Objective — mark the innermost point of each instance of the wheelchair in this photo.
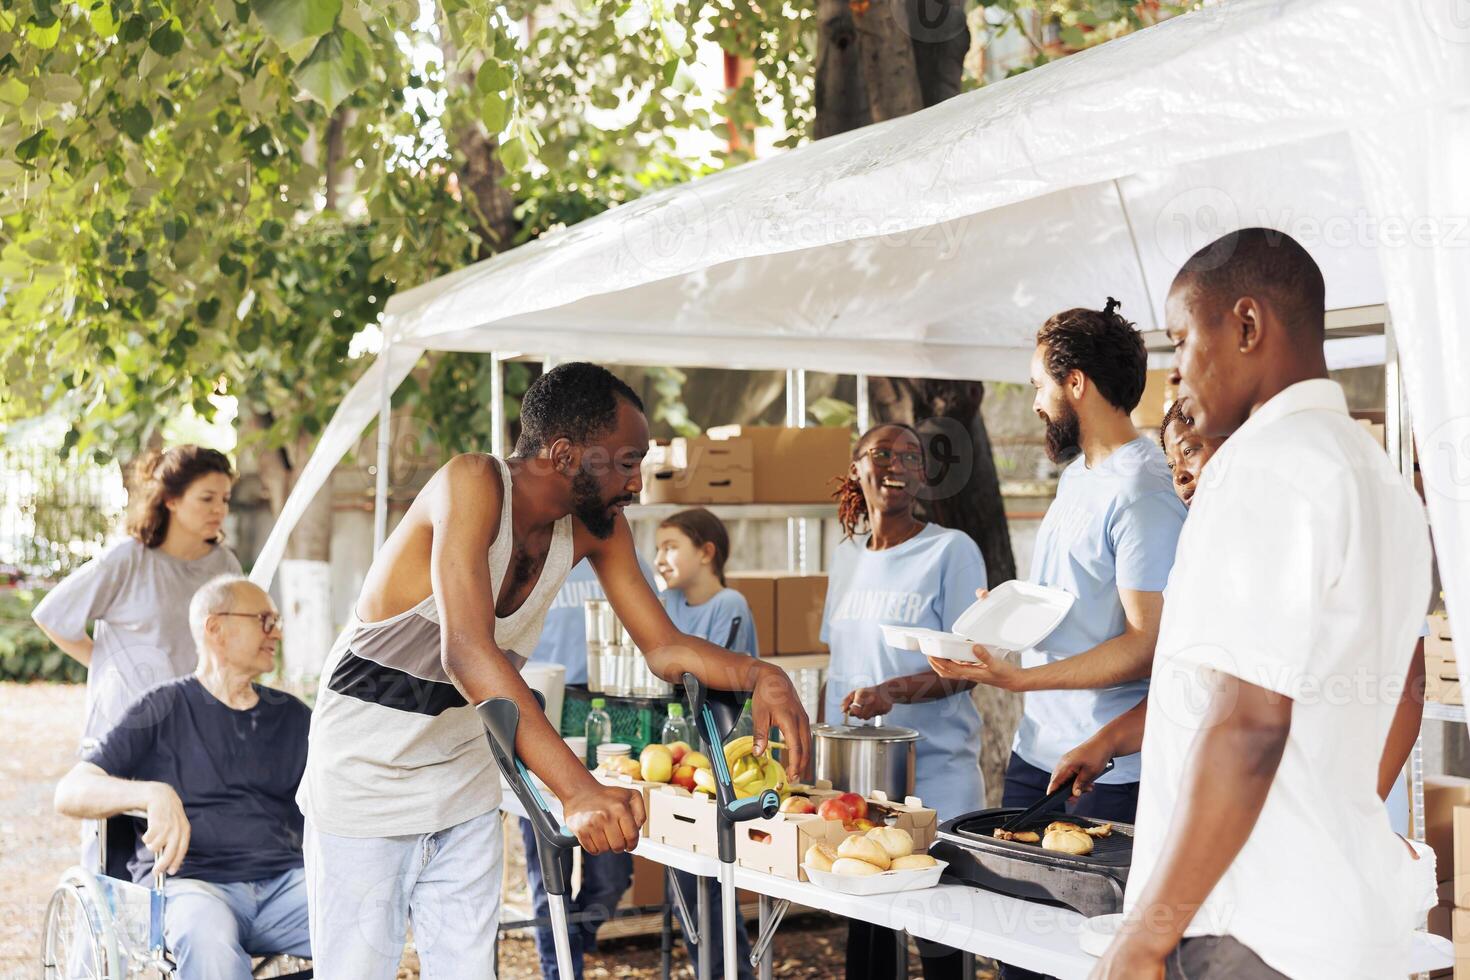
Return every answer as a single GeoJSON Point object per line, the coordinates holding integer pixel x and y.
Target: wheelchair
{"type": "Point", "coordinates": [100, 925]}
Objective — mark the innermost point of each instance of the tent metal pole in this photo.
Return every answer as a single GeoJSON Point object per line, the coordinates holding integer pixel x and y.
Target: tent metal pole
{"type": "Point", "coordinates": [497, 406]}
{"type": "Point", "coordinates": [862, 404]}
{"type": "Point", "coordinates": [385, 446]}
{"type": "Point", "coordinates": [796, 535]}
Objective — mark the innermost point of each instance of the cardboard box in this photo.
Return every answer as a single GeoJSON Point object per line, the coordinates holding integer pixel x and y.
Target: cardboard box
{"type": "Point", "coordinates": [777, 846]}
{"type": "Point", "coordinates": [1442, 794]}
{"type": "Point", "coordinates": [682, 819]}
{"type": "Point", "coordinates": [1442, 690]}
{"type": "Point", "coordinates": [699, 471]}
{"type": "Point", "coordinates": [1461, 930]}
{"type": "Point", "coordinates": [759, 590]}
{"type": "Point", "coordinates": [794, 466]}
{"type": "Point", "coordinates": [787, 607]}
{"type": "Point", "coordinates": [1459, 871]}
{"type": "Point", "coordinates": [912, 815]}
{"type": "Point", "coordinates": [648, 882]}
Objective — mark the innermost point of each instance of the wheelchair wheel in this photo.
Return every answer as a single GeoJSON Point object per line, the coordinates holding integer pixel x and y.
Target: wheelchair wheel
{"type": "Point", "coordinates": [76, 941]}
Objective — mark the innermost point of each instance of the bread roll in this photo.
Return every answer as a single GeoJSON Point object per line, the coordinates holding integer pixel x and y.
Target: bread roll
{"type": "Point", "coordinates": [911, 862]}
{"type": "Point", "coordinates": [1068, 842]}
{"type": "Point", "coordinates": [1062, 825]}
{"type": "Point", "coordinates": [859, 847]}
{"type": "Point", "coordinates": [854, 867]}
{"type": "Point", "coordinates": [894, 841]}
{"type": "Point", "coordinates": [821, 856]}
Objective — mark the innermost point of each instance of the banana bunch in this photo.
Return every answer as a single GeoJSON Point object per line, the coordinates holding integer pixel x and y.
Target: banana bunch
{"type": "Point", "coordinates": [752, 774]}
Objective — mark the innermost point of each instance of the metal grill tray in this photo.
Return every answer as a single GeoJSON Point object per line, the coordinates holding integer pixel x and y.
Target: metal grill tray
{"type": "Point", "coordinates": [1091, 884]}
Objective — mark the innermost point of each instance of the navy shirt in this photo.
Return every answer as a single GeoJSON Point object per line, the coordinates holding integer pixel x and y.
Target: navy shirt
{"type": "Point", "coordinates": [235, 771]}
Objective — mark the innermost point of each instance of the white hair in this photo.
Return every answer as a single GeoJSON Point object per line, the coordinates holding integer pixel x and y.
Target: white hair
{"type": "Point", "coordinates": [215, 596]}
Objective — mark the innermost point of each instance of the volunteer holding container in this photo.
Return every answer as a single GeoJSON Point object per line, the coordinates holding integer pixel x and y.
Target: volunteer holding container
{"type": "Point", "coordinates": [693, 547]}
{"type": "Point", "coordinates": [897, 570]}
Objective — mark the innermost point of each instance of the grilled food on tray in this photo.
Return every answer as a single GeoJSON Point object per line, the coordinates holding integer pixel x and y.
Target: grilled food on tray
{"type": "Point", "coordinates": [1072, 840]}
{"type": "Point", "coordinates": [1021, 836]}
{"type": "Point", "coordinates": [1057, 836]}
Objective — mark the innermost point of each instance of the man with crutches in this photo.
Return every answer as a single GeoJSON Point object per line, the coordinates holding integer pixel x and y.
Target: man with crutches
{"type": "Point", "coordinates": [401, 793]}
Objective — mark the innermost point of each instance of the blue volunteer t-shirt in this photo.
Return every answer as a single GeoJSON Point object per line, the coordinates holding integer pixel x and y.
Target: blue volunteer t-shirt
{"type": "Point", "coordinates": [1111, 527]}
{"type": "Point", "coordinates": [927, 581]}
{"type": "Point", "coordinates": [725, 619]}
{"type": "Point", "coordinates": [564, 633]}
{"type": "Point", "coordinates": [235, 771]}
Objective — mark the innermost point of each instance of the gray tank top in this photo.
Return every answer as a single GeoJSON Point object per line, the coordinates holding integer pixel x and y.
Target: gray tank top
{"type": "Point", "coordinates": [395, 749]}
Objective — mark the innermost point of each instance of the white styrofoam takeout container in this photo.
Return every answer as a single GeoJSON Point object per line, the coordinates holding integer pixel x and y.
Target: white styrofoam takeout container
{"type": "Point", "coordinates": [1014, 616]}
{"type": "Point", "coordinates": [879, 884]}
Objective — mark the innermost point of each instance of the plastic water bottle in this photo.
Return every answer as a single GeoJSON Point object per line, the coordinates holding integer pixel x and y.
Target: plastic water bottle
{"type": "Point", "coordinates": [598, 730]}
{"type": "Point", "coordinates": [745, 725]}
{"type": "Point", "coordinates": [676, 728]}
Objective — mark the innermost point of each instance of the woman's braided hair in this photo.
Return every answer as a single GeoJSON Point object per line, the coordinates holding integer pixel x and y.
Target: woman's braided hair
{"type": "Point", "coordinates": [852, 506]}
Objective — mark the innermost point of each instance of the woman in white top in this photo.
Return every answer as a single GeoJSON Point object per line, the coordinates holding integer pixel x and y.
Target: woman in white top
{"type": "Point", "coordinates": [137, 592]}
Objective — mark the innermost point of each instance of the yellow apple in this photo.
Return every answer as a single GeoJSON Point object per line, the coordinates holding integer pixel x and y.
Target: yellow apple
{"type": "Point", "coordinates": [657, 763]}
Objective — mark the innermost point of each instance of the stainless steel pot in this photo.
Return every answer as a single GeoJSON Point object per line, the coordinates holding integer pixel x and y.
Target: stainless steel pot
{"type": "Point", "coordinates": [863, 758]}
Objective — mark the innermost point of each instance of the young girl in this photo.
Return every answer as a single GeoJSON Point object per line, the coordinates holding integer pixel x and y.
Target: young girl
{"type": "Point", "coordinates": [1186, 451]}
{"type": "Point", "coordinates": [692, 549]}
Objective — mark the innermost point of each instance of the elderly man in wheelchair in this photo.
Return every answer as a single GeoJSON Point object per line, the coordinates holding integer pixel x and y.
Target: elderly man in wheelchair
{"type": "Point", "coordinates": [214, 866]}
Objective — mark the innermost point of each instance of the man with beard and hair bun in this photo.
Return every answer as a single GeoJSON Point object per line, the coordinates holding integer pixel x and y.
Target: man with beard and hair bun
{"type": "Point", "coordinates": [401, 792]}
{"type": "Point", "coordinates": [1108, 539]}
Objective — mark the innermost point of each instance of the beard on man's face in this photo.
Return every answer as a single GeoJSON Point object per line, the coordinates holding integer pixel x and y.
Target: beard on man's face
{"type": "Point", "coordinates": [597, 515]}
{"type": "Point", "coordinates": [1063, 435]}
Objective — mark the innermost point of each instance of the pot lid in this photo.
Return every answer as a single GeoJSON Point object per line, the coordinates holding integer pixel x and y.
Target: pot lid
{"type": "Point", "coordinates": [874, 733]}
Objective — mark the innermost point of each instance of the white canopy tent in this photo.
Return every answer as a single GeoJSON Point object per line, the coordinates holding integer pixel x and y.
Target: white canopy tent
{"type": "Point", "coordinates": [934, 245]}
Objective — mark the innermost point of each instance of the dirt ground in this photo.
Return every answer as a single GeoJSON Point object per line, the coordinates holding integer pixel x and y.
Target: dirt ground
{"type": "Point", "coordinates": [40, 725]}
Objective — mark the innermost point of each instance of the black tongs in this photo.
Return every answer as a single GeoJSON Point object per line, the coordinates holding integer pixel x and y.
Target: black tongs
{"type": "Point", "coordinates": [1044, 804]}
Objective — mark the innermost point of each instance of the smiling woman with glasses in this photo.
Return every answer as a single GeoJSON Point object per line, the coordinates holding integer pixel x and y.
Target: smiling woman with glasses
{"type": "Point", "coordinates": [895, 569]}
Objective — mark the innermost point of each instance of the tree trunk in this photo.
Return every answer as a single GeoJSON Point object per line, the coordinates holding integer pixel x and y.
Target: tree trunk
{"type": "Point", "coordinates": [905, 66]}
{"type": "Point", "coordinates": [841, 101]}
{"type": "Point", "coordinates": [886, 57]}
{"type": "Point", "coordinates": [481, 174]}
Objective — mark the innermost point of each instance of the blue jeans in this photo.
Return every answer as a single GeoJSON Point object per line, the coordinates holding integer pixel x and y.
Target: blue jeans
{"type": "Point", "coordinates": [212, 930]}
{"type": "Point", "coordinates": [688, 885]}
{"type": "Point", "coordinates": [365, 890]}
{"type": "Point", "coordinates": [605, 877]}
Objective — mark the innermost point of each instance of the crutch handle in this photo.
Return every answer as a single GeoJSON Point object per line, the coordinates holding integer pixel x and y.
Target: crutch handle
{"type": "Point", "coordinates": [554, 839]}
{"type": "Point", "coordinates": [730, 809]}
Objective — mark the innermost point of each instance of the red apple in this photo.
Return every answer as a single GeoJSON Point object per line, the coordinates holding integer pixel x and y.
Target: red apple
{"type": "Point", "coordinates": [797, 804]}
{"type": "Point", "coordinates": [677, 750]}
{"type": "Point", "coordinates": [856, 804]}
{"type": "Point", "coordinates": [683, 776]}
{"type": "Point", "coordinates": [834, 809]}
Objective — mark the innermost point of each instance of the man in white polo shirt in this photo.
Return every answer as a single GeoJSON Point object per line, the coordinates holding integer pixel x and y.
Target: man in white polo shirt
{"type": "Point", "coordinates": [1262, 848]}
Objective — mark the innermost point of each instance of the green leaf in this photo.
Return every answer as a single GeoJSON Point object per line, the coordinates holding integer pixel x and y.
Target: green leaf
{"type": "Point", "coordinates": [62, 88]}
{"type": "Point", "coordinates": [32, 146]}
{"type": "Point", "coordinates": [103, 21]}
{"type": "Point", "coordinates": [135, 278]}
{"type": "Point", "coordinates": [494, 112]}
{"type": "Point", "coordinates": [13, 91]}
{"type": "Point", "coordinates": [1074, 37]}
{"type": "Point", "coordinates": [166, 41]}
{"type": "Point", "coordinates": [44, 37]}
{"type": "Point", "coordinates": [135, 121]}
{"type": "Point", "coordinates": [337, 67]}
{"type": "Point", "coordinates": [492, 77]}
{"type": "Point", "coordinates": [513, 156]}
{"type": "Point", "coordinates": [290, 22]}
{"type": "Point", "coordinates": [135, 28]}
